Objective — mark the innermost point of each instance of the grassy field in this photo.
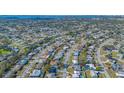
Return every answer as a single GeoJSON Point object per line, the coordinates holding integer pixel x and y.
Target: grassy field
{"type": "Point", "coordinates": [4, 52]}
{"type": "Point", "coordinates": [82, 57]}
{"type": "Point", "coordinates": [114, 54]}
{"type": "Point", "coordinates": [102, 76]}
{"type": "Point", "coordinates": [70, 59]}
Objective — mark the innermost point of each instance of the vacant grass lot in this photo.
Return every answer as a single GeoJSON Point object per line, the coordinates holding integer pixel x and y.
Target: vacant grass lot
{"type": "Point", "coordinates": [82, 57]}
{"type": "Point", "coordinates": [4, 52]}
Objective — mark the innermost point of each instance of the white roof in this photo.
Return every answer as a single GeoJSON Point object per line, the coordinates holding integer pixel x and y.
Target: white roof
{"type": "Point", "coordinates": [90, 65]}
{"type": "Point", "coordinates": [74, 61]}
{"type": "Point", "coordinates": [75, 75]}
{"type": "Point", "coordinates": [120, 74]}
{"type": "Point", "coordinates": [76, 72]}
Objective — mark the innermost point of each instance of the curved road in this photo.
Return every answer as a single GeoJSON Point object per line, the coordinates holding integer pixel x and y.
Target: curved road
{"type": "Point", "coordinates": [98, 55]}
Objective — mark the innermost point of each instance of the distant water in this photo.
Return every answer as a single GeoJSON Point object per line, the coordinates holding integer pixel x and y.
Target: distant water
{"type": "Point", "coordinates": [56, 16]}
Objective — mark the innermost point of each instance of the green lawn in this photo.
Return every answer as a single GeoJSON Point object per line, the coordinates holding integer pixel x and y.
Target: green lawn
{"type": "Point", "coordinates": [4, 52]}
{"type": "Point", "coordinates": [102, 76]}
{"type": "Point", "coordinates": [114, 54]}
{"type": "Point", "coordinates": [70, 59]}
{"type": "Point", "coordinates": [83, 55]}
